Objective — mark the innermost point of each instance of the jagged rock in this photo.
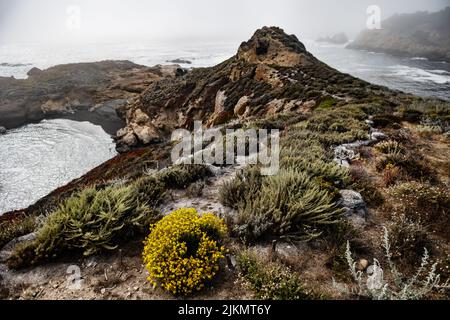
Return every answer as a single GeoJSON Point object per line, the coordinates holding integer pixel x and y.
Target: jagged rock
{"type": "Point", "coordinates": [274, 106]}
{"type": "Point", "coordinates": [220, 102]}
{"type": "Point", "coordinates": [140, 117]}
{"type": "Point", "coordinates": [247, 85]}
{"type": "Point", "coordinates": [34, 71]}
{"type": "Point", "coordinates": [344, 153]}
{"type": "Point", "coordinates": [8, 249]}
{"type": "Point", "coordinates": [74, 91]}
{"type": "Point", "coordinates": [269, 75]}
{"type": "Point", "coordinates": [271, 46]}
{"type": "Point", "coordinates": [354, 206]}
{"type": "Point", "coordinates": [2, 130]}
{"type": "Point", "coordinates": [342, 163]}
{"type": "Point", "coordinates": [220, 118]}
{"type": "Point", "coordinates": [146, 134]}
{"type": "Point", "coordinates": [241, 106]}
{"type": "Point", "coordinates": [128, 137]}
{"type": "Point", "coordinates": [378, 136]}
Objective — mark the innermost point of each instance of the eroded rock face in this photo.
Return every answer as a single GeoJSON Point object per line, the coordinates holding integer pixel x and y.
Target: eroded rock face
{"type": "Point", "coordinates": [81, 91]}
{"type": "Point", "coordinates": [271, 46]}
{"type": "Point", "coordinates": [271, 73]}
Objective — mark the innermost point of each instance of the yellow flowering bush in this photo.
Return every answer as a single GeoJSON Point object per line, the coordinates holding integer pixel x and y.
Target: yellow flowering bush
{"type": "Point", "coordinates": [183, 250]}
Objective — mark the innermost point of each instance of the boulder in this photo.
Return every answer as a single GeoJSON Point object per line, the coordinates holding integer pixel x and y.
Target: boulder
{"type": "Point", "coordinates": [8, 249]}
{"type": "Point", "coordinates": [146, 134]}
{"type": "Point", "coordinates": [241, 106]}
{"type": "Point", "coordinates": [219, 105]}
{"type": "Point", "coordinates": [378, 136]}
{"type": "Point", "coordinates": [34, 71]}
{"type": "Point", "coordinates": [344, 153]}
{"type": "Point", "coordinates": [140, 117]}
{"type": "Point", "coordinates": [355, 207]}
{"type": "Point", "coordinates": [2, 130]}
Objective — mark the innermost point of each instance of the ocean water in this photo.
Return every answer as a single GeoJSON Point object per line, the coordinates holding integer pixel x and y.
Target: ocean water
{"type": "Point", "coordinates": [38, 158]}
{"type": "Point", "coordinates": [417, 75]}
{"type": "Point", "coordinates": [413, 75]}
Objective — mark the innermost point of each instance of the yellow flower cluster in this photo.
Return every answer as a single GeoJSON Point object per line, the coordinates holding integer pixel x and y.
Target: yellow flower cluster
{"type": "Point", "coordinates": [183, 250]}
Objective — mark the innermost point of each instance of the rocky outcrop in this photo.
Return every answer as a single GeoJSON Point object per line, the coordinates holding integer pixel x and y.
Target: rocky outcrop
{"type": "Point", "coordinates": [420, 34]}
{"type": "Point", "coordinates": [271, 73]}
{"type": "Point", "coordinates": [83, 91]}
{"type": "Point", "coordinates": [355, 207]}
{"type": "Point", "coordinates": [179, 61]}
{"type": "Point", "coordinates": [271, 46]}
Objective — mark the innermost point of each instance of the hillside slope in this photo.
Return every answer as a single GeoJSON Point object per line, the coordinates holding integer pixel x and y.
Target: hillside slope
{"type": "Point", "coordinates": [360, 166]}
{"type": "Point", "coordinates": [271, 73]}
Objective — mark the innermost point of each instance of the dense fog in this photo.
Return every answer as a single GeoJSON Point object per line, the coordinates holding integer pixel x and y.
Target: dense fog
{"type": "Point", "coordinates": [101, 20]}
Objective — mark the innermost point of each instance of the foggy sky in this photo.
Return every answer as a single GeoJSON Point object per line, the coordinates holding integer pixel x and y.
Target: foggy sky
{"type": "Point", "coordinates": [45, 20]}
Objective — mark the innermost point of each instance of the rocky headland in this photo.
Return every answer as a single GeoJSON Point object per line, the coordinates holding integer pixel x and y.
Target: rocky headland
{"type": "Point", "coordinates": [92, 92]}
{"type": "Point", "coordinates": [271, 73]}
{"type": "Point", "coordinates": [354, 158]}
{"type": "Point", "coordinates": [421, 34]}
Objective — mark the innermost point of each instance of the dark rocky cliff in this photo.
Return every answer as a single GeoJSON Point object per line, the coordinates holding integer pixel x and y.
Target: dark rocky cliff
{"type": "Point", "coordinates": [421, 34]}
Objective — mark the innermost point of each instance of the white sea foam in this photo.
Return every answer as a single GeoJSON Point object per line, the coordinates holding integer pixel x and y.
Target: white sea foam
{"type": "Point", "coordinates": [421, 75]}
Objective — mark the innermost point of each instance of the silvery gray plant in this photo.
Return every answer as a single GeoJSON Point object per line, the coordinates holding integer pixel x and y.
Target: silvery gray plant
{"type": "Point", "coordinates": [374, 285]}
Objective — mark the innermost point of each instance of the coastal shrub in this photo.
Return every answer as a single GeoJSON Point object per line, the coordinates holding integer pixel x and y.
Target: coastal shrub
{"type": "Point", "coordinates": [333, 122]}
{"type": "Point", "coordinates": [89, 222]}
{"type": "Point", "coordinates": [288, 204]}
{"type": "Point", "coordinates": [183, 250]}
{"type": "Point", "coordinates": [436, 110]}
{"type": "Point", "coordinates": [390, 147]}
{"type": "Point", "coordinates": [327, 103]}
{"type": "Point", "coordinates": [408, 239]}
{"type": "Point", "coordinates": [149, 190]}
{"type": "Point", "coordinates": [180, 176]}
{"type": "Point", "coordinates": [386, 120]}
{"type": "Point", "coordinates": [423, 203]}
{"type": "Point", "coordinates": [411, 164]}
{"type": "Point", "coordinates": [15, 228]}
{"type": "Point", "coordinates": [278, 121]}
{"type": "Point", "coordinates": [379, 283]}
{"type": "Point", "coordinates": [364, 184]}
{"type": "Point", "coordinates": [391, 174]}
{"type": "Point", "coordinates": [429, 127]}
{"type": "Point", "coordinates": [269, 280]}
{"type": "Point", "coordinates": [244, 186]}
{"type": "Point", "coordinates": [195, 190]}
